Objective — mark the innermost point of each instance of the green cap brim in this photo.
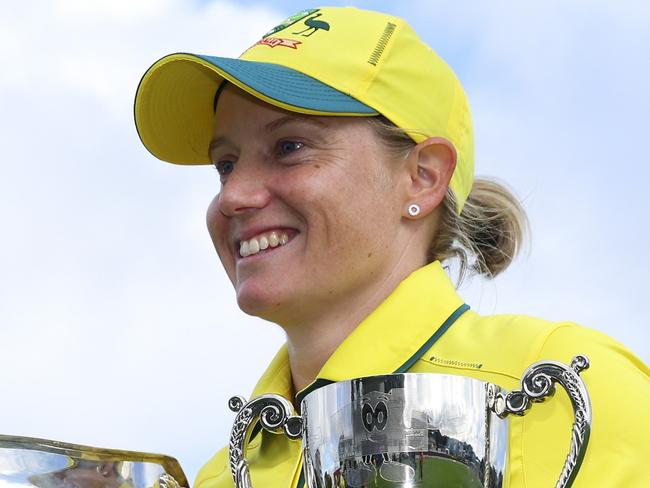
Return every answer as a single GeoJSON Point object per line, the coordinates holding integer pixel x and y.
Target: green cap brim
{"type": "Point", "coordinates": [174, 101]}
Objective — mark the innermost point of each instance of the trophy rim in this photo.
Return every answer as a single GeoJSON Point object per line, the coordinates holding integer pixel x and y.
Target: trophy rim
{"type": "Point", "coordinates": [469, 379]}
{"type": "Point", "coordinates": [169, 463]}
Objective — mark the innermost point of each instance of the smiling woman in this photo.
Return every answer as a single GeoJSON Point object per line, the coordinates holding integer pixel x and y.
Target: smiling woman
{"type": "Point", "coordinates": [344, 148]}
{"type": "Point", "coordinates": [321, 185]}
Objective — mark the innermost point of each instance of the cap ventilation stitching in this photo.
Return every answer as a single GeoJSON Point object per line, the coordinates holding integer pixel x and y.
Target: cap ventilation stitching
{"type": "Point", "coordinates": [381, 44]}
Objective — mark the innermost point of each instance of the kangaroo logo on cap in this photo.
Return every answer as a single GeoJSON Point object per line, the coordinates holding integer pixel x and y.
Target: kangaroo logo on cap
{"type": "Point", "coordinates": [289, 21]}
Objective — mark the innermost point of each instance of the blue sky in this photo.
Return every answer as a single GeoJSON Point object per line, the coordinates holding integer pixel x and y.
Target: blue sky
{"type": "Point", "coordinates": [111, 297]}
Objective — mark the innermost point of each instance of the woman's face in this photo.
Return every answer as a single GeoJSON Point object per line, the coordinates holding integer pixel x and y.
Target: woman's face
{"type": "Point", "coordinates": [318, 197]}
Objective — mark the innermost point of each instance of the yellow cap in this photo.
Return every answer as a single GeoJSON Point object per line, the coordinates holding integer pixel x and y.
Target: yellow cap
{"type": "Point", "coordinates": [321, 61]}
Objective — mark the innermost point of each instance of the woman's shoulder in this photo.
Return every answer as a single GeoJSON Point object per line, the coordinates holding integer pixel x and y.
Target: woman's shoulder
{"type": "Point", "coordinates": [503, 346]}
{"type": "Point", "coordinates": [214, 473]}
{"type": "Point", "coordinates": [540, 339]}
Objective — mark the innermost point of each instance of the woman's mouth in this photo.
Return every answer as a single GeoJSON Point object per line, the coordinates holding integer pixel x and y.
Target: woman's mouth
{"type": "Point", "coordinates": [264, 241]}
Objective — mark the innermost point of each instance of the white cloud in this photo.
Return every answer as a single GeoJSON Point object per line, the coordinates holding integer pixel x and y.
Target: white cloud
{"type": "Point", "coordinates": [101, 48]}
{"type": "Point", "coordinates": [121, 10]}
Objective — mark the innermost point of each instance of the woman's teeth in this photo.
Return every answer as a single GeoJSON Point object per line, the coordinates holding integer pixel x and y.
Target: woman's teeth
{"type": "Point", "coordinates": [261, 242]}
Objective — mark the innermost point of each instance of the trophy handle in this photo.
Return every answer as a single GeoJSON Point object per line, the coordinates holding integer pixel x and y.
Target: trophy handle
{"type": "Point", "coordinates": [274, 413]}
{"type": "Point", "coordinates": [538, 383]}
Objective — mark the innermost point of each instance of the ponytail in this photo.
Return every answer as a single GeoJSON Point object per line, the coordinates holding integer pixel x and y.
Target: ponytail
{"type": "Point", "coordinates": [488, 233]}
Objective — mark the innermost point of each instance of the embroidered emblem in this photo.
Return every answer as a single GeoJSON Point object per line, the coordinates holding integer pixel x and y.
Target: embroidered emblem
{"type": "Point", "coordinates": [278, 41]}
{"type": "Point", "coordinates": [313, 26]}
{"type": "Point", "coordinates": [290, 21]}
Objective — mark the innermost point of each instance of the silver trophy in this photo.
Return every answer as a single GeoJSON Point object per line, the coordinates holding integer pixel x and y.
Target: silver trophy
{"type": "Point", "coordinates": [411, 430]}
{"type": "Point", "coordinates": [27, 462]}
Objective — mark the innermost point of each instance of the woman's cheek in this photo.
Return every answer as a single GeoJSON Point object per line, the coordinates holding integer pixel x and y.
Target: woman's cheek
{"type": "Point", "coordinates": [211, 216]}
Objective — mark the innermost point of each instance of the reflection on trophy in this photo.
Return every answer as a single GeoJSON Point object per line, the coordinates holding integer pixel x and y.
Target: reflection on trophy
{"type": "Point", "coordinates": [27, 462]}
{"type": "Point", "coordinates": [411, 430]}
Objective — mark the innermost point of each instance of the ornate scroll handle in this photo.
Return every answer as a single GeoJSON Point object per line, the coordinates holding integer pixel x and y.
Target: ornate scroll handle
{"type": "Point", "coordinates": [538, 383]}
{"type": "Point", "coordinates": [274, 413]}
{"type": "Point", "coordinates": [166, 480]}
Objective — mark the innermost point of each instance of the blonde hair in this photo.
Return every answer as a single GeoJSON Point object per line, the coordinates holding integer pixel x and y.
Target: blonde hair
{"type": "Point", "coordinates": [491, 228]}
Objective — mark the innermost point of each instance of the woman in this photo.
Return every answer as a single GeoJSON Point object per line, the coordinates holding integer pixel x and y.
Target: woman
{"type": "Point", "coordinates": [344, 148]}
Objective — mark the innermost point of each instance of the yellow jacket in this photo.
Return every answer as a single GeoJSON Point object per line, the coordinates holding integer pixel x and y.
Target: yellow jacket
{"type": "Point", "coordinates": [424, 327]}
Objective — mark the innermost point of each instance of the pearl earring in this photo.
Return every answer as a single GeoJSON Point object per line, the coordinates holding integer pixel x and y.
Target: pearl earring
{"type": "Point", "coordinates": [414, 210]}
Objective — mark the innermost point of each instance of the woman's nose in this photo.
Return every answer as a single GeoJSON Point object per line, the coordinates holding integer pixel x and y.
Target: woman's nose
{"type": "Point", "coordinates": [244, 189]}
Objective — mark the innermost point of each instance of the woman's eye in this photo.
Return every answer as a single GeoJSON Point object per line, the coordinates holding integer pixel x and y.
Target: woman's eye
{"type": "Point", "coordinates": [287, 147]}
{"type": "Point", "coordinates": [224, 167]}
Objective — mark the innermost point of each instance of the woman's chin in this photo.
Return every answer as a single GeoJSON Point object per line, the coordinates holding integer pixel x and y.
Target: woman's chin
{"type": "Point", "coordinates": [279, 308]}
{"type": "Point", "coordinates": [259, 301]}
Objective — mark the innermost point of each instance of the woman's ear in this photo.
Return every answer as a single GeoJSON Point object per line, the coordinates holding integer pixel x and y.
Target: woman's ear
{"type": "Point", "coordinates": [430, 165]}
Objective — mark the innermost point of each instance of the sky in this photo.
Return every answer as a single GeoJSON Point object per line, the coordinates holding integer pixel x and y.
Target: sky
{"type": "Point", "coordinates": [118, 327]}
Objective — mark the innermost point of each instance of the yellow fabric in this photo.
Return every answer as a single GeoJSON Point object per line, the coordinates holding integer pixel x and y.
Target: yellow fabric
{"type": "Point", "coordinates": [376, 58]}
{"type": "Point", "coordinates": [496, 349]}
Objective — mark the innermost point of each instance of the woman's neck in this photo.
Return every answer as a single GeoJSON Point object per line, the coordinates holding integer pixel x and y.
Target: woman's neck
{"type": "Point", "coordinates": [312, 342]}
{"type": "Point", "coordinates": [310, 347]}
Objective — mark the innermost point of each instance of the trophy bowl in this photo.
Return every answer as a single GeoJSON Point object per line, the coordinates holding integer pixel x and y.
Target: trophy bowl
{"type": "Point", "coordinates": [403, 430]}
{"type": "Point", "coordinates": [411, 430]}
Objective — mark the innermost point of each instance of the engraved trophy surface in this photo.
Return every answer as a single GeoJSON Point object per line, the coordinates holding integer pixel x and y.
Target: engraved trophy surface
{"type": "Point", "coordinates": [411, 430]}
